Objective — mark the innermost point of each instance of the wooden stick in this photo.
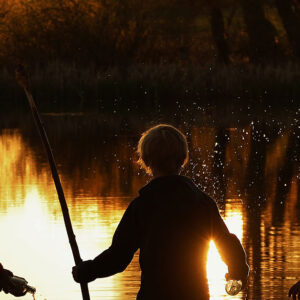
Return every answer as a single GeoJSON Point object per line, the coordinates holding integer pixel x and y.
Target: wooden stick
{"type": "Point", "coordinates": [23, 80]}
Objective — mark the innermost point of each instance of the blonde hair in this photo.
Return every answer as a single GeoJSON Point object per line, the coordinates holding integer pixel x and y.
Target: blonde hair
{"type": "Point", "coordinates": [162, 148]}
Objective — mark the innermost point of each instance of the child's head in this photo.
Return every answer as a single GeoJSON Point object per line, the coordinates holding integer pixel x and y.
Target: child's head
{"type": "Point", "coordinates": [163, 150]}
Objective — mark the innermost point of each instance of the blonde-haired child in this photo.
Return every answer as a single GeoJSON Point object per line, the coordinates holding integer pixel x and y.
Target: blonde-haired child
{"type": "Point", "coordinates": [171, 222]}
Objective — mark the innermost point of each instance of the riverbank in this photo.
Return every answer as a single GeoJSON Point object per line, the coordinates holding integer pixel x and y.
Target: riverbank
{"type": "Point", "coordinates": [154, 89]}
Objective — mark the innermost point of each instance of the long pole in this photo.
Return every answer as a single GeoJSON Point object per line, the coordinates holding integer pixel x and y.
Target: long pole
{"type": "Point", "coordinates": [23, 80]}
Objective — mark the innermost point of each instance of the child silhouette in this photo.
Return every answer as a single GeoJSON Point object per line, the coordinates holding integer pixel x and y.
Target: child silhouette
{"type": "Point", "coordinates": [172, 223]}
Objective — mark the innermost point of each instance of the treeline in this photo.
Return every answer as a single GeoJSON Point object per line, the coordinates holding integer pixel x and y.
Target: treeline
{"type": "Point", "coordinates": [125, 32]}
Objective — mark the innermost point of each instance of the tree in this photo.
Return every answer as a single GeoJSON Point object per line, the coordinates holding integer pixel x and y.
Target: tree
{"type": "Point", "coordinates": [291, 22]}
{"type": "Point", "coordinates": [261, 32]}
{"type": "Point", "coordinates": [218, 34]}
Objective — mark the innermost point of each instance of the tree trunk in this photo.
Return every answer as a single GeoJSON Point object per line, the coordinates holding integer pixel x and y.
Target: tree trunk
{"type": "Point", "coordinates": [218, 33]}
{"type": "Point", "coordinates": [262, 34]}
{"type": "Point", "coordinates": [291, 23]}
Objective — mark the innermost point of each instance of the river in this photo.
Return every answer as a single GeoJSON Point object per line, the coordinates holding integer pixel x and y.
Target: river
{"type": "Point", "coordinates": [252, 170]}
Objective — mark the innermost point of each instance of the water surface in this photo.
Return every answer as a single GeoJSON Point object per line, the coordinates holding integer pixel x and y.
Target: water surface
{"type": "Point", "coordinates": [251, 170]}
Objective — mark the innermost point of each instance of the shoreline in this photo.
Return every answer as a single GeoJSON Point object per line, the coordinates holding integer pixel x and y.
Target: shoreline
{"type": "Point", "coordinates": [171, 88]}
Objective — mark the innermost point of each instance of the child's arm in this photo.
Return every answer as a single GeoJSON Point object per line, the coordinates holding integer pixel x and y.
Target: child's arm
{"type": "Point", "coordinates": [117, 257]}
{"type": "Point", "coordinates": [6, 285]}
{"type": "Point", "coordinates": [4, 278]}
{"type": "Point", "coordinates": [229, 246]}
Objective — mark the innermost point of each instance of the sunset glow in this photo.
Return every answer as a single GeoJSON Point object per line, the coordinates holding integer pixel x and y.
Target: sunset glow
{"type": "Point", "coordinates": [35, 244]}
{"type": "Point", "coordinates": [33, 222]}
{"type": "Point", "coordinates": [216, 268]}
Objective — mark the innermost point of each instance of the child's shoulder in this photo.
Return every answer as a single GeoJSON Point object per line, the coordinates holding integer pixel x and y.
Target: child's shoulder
{"type": "Point", "coordinates": [203, 196]}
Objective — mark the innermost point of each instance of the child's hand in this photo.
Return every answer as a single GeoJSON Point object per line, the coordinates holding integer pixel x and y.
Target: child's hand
{"type": "Point", "coordinates": [244, 279]}
{"type": "Point", "coordinates": [75, 274]}
{"type": "Point", "coordinates": [82, 273]}
{"type": "Point", "coordinates": [4, 279]}
{"type": "Point", "coordinates": [295, 290]}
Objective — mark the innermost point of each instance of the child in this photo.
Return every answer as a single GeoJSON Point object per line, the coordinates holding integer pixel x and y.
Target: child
{"type": "Point", "coordinates": [4, 277]}
{"type": "Point", "coordinates": [171, 222]}
{"type": "Point", "coordinates": [5, 283]}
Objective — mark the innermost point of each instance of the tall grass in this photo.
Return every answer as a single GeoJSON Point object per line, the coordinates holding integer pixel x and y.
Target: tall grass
{"type": "Point", "coordinates": [162, 87]}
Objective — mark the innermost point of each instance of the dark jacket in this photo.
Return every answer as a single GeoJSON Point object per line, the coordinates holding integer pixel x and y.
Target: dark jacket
{"type": "Point", "coordinates": [171, 222]}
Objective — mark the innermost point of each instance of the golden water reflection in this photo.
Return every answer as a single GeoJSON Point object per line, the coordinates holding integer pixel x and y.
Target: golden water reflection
{"type": "Point", "coordinates": [216, 268]}
{"type": "Point", "coordinates": [34, 243]}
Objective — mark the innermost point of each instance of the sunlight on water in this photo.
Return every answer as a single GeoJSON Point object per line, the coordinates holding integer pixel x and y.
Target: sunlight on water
{"type": "Point", "coordinates": [34, 242]}
{"type": "Point", "coordinates": [216, 268]}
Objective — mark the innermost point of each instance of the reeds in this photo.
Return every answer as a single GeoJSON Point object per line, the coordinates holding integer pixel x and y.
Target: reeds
{"type": "Point", "coordinates": [155, 87]}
